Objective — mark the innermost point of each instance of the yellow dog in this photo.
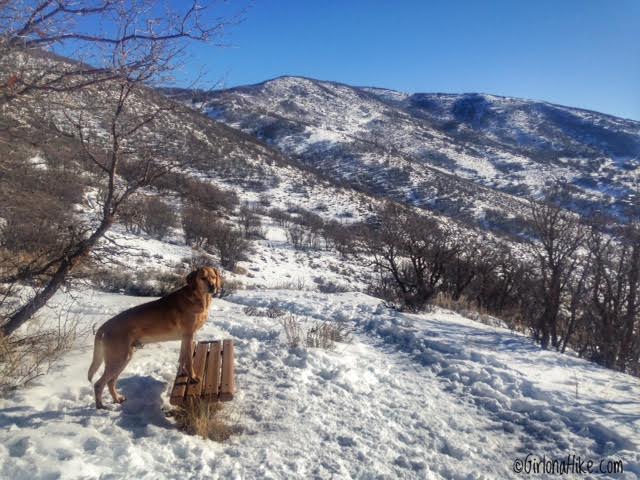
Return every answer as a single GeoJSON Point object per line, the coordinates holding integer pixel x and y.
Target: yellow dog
{"type": "Point", "coordinates": [176, 316]}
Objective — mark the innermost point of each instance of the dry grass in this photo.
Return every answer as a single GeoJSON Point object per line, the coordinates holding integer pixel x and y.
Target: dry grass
{"type": "Point", "coordinates": [208, 420]}
{"type": "Point", "coordinates": [326, 334]}
{"type": "Point", "coordinates": [319, 335]}
{"type": "Point", "coordinates": [238, 270]}
{"type": "Point", "coordinates": [292, 330]}
{"type": "Point", "coordinates": [467, 308]}
{"type": "Point", "coordinates": [297, 284]}
{"type": "Point", "coordinates": [147, 282]}
{"type": "Point", "coordinates": [462, 304]}
{"type": "Point", "coordinates": [271, 312]}
{"type": "Point", "coordinates": [229, 287]}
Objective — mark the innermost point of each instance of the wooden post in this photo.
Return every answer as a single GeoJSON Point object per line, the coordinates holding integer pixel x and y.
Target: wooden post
{"type": "Point", "coordinates": [212, 382]}
{"type": "Point", "coordinates": [228, 383]}
{"type": "Point", "coordinates": [194, 389]}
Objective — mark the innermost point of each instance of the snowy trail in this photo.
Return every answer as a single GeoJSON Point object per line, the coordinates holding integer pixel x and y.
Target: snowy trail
{"type": "Point", "coordinates": [413, 396]}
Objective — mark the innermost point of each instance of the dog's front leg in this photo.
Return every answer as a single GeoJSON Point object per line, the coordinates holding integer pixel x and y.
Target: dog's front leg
{"type": "Point", "coordinates": [186, 357]}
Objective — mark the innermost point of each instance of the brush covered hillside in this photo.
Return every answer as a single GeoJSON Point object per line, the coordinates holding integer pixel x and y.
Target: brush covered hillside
{"type": "Point", "coordinates": [456, 154]}
{"type": "Point", "coordinates": [279, 207]}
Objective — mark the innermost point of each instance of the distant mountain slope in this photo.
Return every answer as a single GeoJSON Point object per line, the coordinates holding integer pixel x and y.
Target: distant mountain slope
{"type": "Point", "coordinates": [209, 149]}
{"type": "Point", "coordinates": [407, 146]}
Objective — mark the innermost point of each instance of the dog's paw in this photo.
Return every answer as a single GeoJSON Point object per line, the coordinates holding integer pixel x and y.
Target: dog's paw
{"type": "Point", "coordinates": [121, 399]}
{"type": "Point", "coordinates": [194, 379]}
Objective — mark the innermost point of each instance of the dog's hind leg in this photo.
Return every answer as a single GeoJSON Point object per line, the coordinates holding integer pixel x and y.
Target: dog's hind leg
{"type": "Point", "coordinates": [114, 393]}
{"type": "Point", "coordinates": [116, 369]}
{"type": "Point", "coordinates": [115, 362]}
{"type": "Point", "coordinates": [98, 388]}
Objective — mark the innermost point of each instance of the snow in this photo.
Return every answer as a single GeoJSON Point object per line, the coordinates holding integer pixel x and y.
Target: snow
{"type": "Point", "coordinates": [433, 395]}
{"type": "Point", "coordinates": [38, 162]}
{"type": "Point", "coordinates": [322, 135]}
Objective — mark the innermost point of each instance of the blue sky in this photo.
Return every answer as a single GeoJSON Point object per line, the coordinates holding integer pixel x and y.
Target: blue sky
{"type": "Point", "coordinates": [583, 53]}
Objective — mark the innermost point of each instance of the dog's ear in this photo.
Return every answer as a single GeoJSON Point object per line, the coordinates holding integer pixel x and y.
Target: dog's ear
{"type": "Point", "coordinates": [191, 278]}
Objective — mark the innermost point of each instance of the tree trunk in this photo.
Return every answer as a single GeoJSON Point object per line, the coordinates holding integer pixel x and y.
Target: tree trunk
{"type": "Point", "coordinates": [632, 307]}
{"type": "Point", "coordinates": [66, 265]}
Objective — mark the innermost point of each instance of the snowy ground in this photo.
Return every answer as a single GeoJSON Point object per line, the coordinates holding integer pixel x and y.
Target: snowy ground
{"type": "Point", "coordinates": [434, 395]}
{"type": "Point", "coordinates": [413, 396]}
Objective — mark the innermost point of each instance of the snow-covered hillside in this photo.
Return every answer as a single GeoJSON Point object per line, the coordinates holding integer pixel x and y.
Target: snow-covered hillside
{"type": "Point", "coordinates": [433, 395]}
{"type": "Point", "coordinates": [404, 145]}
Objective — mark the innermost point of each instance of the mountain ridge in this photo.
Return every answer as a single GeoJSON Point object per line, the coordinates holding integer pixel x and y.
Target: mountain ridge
{"type": "Point", "coordinates": [410, 93]}
{"type": "Point", "coordinates": [511, 145]}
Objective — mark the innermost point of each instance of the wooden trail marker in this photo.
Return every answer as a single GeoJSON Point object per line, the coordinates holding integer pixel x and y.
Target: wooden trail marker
{"type": "Point", "coordinates": [213, 363]}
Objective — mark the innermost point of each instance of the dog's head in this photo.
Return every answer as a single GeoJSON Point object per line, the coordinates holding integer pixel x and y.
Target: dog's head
{"type": "Point", "coordinates": [206, 279]}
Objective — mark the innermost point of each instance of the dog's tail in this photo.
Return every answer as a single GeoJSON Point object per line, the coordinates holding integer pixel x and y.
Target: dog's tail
{"type": "Point", "coordinates": [98, 354]}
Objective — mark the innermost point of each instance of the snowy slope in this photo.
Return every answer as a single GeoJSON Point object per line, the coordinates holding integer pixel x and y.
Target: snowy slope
{"type": "Point", "coordinates": [402, 145]}
{"type": "Point", "coordinates": [433, 395]}
{"type": "Point", "coordinates": [413, 396]}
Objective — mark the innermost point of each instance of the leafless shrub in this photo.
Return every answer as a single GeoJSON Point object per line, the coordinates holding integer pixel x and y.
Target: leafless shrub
{"type": "Point", "coordinates": [281, 217]}
{"type": "Point", "coordinates": [196, 223]}
{"type": "Point", "coordinates": [25, 357]}
{"type": "Point", "coordinates": [130, 214]}
{"type": "Point", "coordinates": [327, 286]}
{"type": "Point", "coordinates": [37, 217]}
{"type": "Point", "coordinates": [198, 259]}
{"type": "Point", "coordinates": [339, 237]}
{"type": "Point", "coordinates": [296, 235]}
{"type": "Point", "coordinates": [149, 214]}
{"type": "Point", "coordinates": [264, 201]}
{"type": "Point", "coordinates": [250, 222]}
{"type": "Point", "coordinates": [228, 243]}
{"type": "Point", "coordinates": [297, 284]}
{"type": "Point", "coordinates": [204, 229]}
{"type": "Point", "coordinates": [207, 195]}
{"type": "Point", "coordinates": [303, 228]}
{"type": "Point", "coordinates": [385, 288]}
{"type": "Point", "coordinates": [157, 217]}
{"type": "Point", "coordinates": [252, 311]}
{"type": "Point", "coordinates": [274, 312]}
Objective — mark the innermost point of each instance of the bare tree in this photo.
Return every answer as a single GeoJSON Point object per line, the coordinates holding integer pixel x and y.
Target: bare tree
{"type": "Point", "coordinates": [90, 31]}
{"type": "Point", "coordinates": [556, 236]}
{"type": "Point", "coordinates": [116, 131]}
{"type": "Point", "coordinates": [414, 251]}
{"type": "Point", "coordinates": [630, 342]}
{"type": "Point", "coordinates": [249, 221]}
